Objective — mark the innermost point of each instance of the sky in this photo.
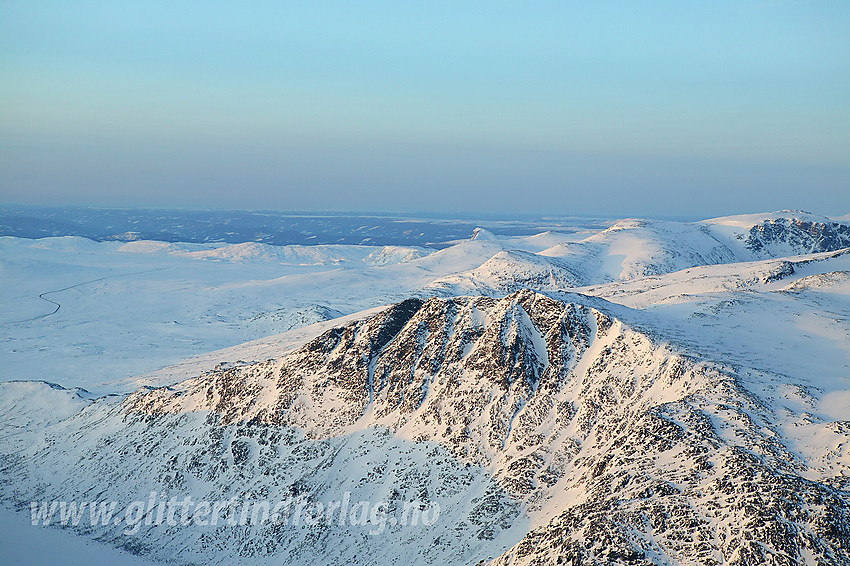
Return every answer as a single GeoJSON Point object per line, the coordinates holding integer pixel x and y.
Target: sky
{"type": "Point", "coordinates": [617, 108]}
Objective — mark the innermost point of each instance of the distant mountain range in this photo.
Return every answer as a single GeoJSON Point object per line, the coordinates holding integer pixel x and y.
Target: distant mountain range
{"type": "Point", "coordinates": [270, 227]}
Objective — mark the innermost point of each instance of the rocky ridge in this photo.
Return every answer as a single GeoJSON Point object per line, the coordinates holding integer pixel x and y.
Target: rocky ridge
{"type": "Point", "coordinates": [551, 431]}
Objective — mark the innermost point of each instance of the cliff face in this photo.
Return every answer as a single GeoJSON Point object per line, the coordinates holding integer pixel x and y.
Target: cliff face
{"type": "Point", "coordinates": [549, 432]}
{"type": "Point", "coordinates": [775, 237]}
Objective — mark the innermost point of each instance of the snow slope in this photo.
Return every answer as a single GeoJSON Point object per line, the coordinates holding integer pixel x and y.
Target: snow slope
{"type": "Point", "coordinates": [635, 248]}
{"type": "Point", "coordinates": [656, 393]}
{"type": "Point", "coordinates": [546, 426]}
{"type": "Point", "coordinates": [83, 313]}
{"type": "Point", "coordinates": [779, 234]}
{"type": "Point", "coordinates": [86, 314]}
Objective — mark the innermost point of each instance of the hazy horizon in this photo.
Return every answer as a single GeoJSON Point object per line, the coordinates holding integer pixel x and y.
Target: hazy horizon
{"type": "Point", "coordinates": [669, 109]}
{"type": "Point", "coordinates": [466, 216]}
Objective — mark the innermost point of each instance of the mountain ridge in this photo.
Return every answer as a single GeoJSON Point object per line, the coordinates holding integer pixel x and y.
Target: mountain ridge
{"type": "Point", "coordinates": [666, 412]}
{"type": "Point", "coordinates": [482, 378]}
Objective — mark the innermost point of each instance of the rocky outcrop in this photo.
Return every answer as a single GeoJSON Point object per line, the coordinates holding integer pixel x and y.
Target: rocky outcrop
{"type": "Point", "coordinates": [549, 431]}
{"type": "Point", "coordinates": [801, 235]}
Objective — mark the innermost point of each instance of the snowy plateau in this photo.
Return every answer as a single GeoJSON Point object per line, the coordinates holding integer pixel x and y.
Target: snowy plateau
{"type": "Point", "coordinates": [654, 392]}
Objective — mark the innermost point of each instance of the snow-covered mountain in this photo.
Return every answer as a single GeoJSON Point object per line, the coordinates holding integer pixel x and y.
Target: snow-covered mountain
{"type": "Point", "coordinates": [86, 313]}
{"type": "Point", "coordinates": [657, 393]}
{"type": "Point", "coordinates": [635, 248]}
{"type": "Point", "coordinates": [547, 428]}
{"type": "Point", "coordinates": [505, 272]}
{"type": "Point", "coordinates": [779, 234]}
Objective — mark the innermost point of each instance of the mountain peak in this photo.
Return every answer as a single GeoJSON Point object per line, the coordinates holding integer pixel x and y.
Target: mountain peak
{"type": "Point", "coordinates": [482, 234]}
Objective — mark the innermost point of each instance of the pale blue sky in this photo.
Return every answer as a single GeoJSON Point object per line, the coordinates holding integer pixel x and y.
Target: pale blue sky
{"type": "Point", "coordinates": [677, 107]}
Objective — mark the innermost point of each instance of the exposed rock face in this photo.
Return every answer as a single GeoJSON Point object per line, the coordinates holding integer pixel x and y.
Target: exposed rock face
{"type": "Point", "coordinates": [550, 432]}
{"type": "Point", "coordinates": [800, 235]}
